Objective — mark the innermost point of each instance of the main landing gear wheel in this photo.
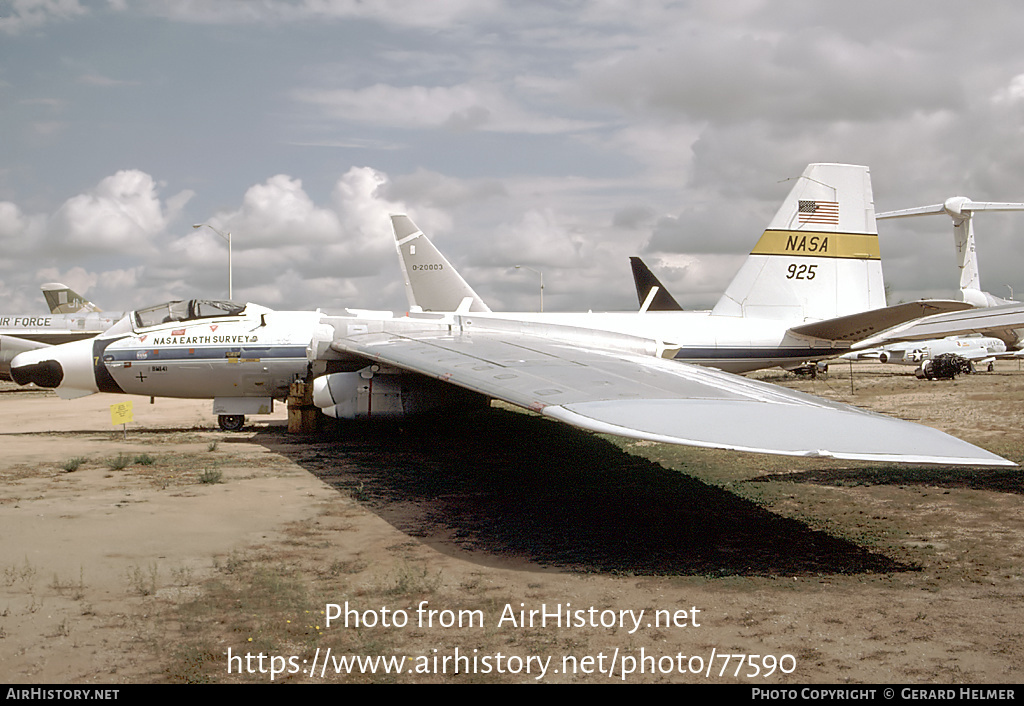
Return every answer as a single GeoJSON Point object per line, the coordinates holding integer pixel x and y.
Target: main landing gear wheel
{"type": "Point", "coordinates": [231, 422]}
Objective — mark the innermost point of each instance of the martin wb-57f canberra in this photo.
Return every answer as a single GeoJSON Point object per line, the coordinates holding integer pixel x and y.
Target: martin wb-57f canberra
{"type": "Point", "coordinates": [612, 374]}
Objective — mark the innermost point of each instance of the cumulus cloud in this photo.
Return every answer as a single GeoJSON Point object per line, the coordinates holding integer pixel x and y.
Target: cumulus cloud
{"type": "Point", "coordinates": [279, 210]}
{"type": "Point", "coordinates": [122, 213]}
{"type": "Point", "coordinates": [20, 232]}
{"type": "Point", "coordinates": [78, 278]}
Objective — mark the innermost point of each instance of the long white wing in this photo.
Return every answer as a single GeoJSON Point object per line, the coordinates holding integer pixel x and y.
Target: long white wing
{"type": "Point", "coordinates": [646, 397]}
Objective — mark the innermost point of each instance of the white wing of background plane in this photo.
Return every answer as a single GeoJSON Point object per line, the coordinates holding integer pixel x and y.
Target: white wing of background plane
{"type": "Point", "coordinates": [11, 346]}
{"type": "Point", "coordinates": [646, 397]}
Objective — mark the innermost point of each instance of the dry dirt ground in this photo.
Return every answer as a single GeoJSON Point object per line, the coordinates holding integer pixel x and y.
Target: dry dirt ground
{"type": "Point", "coordinates": [155, 556]}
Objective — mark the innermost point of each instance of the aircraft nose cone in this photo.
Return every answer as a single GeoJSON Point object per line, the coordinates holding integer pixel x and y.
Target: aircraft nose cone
{"type": "Point", "coordinates": [47, 373]}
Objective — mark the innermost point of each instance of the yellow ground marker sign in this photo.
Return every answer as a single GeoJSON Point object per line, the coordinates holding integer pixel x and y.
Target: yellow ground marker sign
{"type": "Point", "coordinates": [121, 413]}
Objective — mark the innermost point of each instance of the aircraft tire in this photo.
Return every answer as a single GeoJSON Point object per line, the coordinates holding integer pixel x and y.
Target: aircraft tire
{"type": "Point", "coordinates": [231, 422]}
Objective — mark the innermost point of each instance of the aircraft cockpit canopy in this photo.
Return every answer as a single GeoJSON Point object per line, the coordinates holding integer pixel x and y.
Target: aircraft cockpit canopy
{"type": "Point", "coordinates": [186, 311]}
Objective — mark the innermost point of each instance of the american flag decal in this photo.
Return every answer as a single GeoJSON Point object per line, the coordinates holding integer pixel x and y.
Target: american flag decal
{"type": "Point", "coordinates": [818, 212]}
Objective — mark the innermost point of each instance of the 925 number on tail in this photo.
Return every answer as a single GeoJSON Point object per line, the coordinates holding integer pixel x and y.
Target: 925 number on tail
{"type": "Point", "coordinates": [796, 271]}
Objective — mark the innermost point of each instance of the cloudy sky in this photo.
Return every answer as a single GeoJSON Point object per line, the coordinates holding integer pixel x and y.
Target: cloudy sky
{"type": "Point", "coordinates": [562, 136]}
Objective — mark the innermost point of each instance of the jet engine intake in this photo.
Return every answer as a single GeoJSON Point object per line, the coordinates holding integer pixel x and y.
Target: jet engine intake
{"type": "Point", "coordinates": [47, 373]}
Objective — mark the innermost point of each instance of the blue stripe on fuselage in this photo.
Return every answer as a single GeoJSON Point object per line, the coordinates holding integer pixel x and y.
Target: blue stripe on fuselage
{"type": "Point", "coordinates": [177, 353]}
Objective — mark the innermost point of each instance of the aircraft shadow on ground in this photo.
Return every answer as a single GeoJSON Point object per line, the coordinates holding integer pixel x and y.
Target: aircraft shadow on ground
{"type": "Point", "coordinates": [999, 480]}
{"type": "Point", "coordinates": [520, 486]}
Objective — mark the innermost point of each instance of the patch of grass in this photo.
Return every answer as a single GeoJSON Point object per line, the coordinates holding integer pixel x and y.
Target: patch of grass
{"type": "Point", "coordinates": [211, 476]}
{"type": "Point", "coordinates": [119, 462]}
{"type": "Point", "coordinates": [212, 446]}
{"type": "Point", "coordinates": [144, 460]}
{"type": "Point", "coordinates": [26, 574]}
{"type": "Point", "coordinates": [193, 664]}
{"type": "Point", "coordinates": [143, 582]}
{"type": "Point", "coordinates": [181, 576]}
{"type": "Point", "coordinates": [258, 606]}
{"type": "Point", "coordinates": [77, 590]}
{"type": "Point", "coordinates": [409, 579]}
{"type": "Point", "coordinates": [73, 464]}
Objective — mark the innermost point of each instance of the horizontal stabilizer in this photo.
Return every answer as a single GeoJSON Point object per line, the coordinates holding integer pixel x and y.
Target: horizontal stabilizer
{"type": "Point", "coordinates": [856, 327]}
{"type": "Point", "coordinates": [998, 321]}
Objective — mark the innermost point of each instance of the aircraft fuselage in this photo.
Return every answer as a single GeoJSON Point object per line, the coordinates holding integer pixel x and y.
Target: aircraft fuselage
{"type": "Point", "coordinates": [731, 343]}
{"type": "Point", "coordinates": [248, 356]}
{"type": "Point", "coordinates": [55, 329]}
{"type": "Point", "coordinates": [254, 354]}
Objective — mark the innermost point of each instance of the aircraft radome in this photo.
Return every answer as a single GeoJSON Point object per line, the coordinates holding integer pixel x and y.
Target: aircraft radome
{"type": "Point", "coordinates": [366, 364]}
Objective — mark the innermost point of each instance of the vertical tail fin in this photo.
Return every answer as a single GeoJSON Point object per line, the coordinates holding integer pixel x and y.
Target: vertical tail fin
{"type": "Point", "coordinates": [63, 300]}
{"type": "Point", "coordinates": [645, 281]}
{"type": "Point", "coordinates": [961, 209]}
{"type": "Point", "coordinates": [819, 257]}
{"type": "Point", "coordinates": [431, 283]}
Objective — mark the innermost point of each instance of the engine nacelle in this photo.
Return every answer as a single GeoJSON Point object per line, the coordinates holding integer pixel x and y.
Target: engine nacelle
{"type": "Point", "coordinates": [883, 357]}
{"type": "Point", "coordinates": [377, 392]}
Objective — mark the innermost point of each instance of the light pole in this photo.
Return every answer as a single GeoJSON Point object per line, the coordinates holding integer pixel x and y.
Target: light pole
{"type": "Point", "coordinates": [538, 272]}
{"type": "Point", "coordinates": [227, 238]}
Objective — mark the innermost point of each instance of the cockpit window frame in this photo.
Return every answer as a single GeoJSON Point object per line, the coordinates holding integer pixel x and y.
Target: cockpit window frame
{"type": "Point", "coordinates": [179, 311]}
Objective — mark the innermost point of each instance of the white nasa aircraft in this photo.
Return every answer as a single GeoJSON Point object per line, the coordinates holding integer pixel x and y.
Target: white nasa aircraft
{"type": "Point", "coordinates": [368, 364]}
{"type": "Point", "coordinates": [242, 356]}
{"type": "Point", "coordinates": [372, 365]}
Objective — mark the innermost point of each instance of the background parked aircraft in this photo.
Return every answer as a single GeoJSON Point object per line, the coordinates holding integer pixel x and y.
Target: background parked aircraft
{"type": "Point", "coordinates": [969, 331]}
{"type": "Point", "coordinates": [961, 209]}
{"type": "Point", "coordinates": [979, 350]}
{"type": "Point", "coordinates": [650, 287]}
{"type": "Point", "coordinates": [61, 299]}
{"type": "Point", "coordinates": [71, 318]}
